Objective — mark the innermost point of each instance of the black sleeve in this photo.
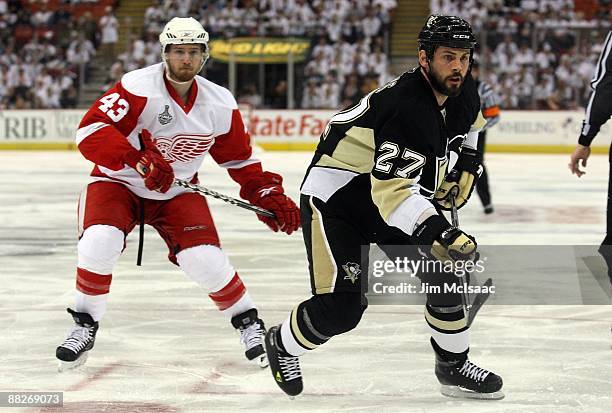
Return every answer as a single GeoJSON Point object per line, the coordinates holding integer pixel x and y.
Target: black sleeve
{"type": "Point", "coordinates": [599, 108]}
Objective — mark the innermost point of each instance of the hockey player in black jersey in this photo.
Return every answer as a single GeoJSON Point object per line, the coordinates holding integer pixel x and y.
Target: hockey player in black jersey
{"type": "Point", "coordinates": [379, 175]}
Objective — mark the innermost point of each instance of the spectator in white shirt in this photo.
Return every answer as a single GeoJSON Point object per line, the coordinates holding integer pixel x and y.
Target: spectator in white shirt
{"type": "Point", "coordinates": [154, 13]}
{"type": "Point", "coordinates": [45, 77]}
{"type": "Point", "coordinates": [311, 98]}
{"type": "Point", "coordinates": [507, 46]}
{"type": "Point", "coordinates": [324, 48]}
{"type": "Point", "coordinates": [524, 56]}
{"type": "Point", "coordinates": [339, 9]}
{"type": "Point", "coordinates": [378, 65]}
{"type": "Point", "coordinates": [280, 24]}
{"type": "Point", "coordinates": [360, 64]}
{"type": "Point", "coordinates": [334, 29]}
{"type": "Point", "coordinates": [319, 66]}
{"type": "Point", "coordinates": [564, 71]}
{"type": "Point", "coordinates": [347, 51]}
{"type": "Point", "coordinates": [42, 17]}
{"type": "Point", "coordinates": [371, 24]}
{"type": "Point", "coordinates": [543, 95]}
{"type": "Point", "coordinates": [545, 58]}
{"type": "Point", "coordinates": [85, 45]}
{"type": "Point", "coordinates": [77, 56]}
{"type": "Point", "coordinates": [66, 79]}
{"type": "Point", "coordinates": [302, 11]}
{"type": "Point", "coordinates": [330, 94]}
{"type": "Point", "coordinates": [109, 28]}
{"type": "Point", "coordinates": [20, 76]}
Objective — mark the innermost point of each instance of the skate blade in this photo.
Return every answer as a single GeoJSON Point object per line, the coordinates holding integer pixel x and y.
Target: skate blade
{"type": "Point", "coordinates": [71, 365]}
{"type": "Point", "coordinates": [262, 361]}
{"type": "Point", "coordinates": [461, 393]}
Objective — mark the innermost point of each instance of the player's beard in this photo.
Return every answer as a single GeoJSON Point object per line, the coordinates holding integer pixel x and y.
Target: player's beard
{"type": "Point", "coordinates": [443, 85]}
{"type": "Point", "coordinates": [183, 75]}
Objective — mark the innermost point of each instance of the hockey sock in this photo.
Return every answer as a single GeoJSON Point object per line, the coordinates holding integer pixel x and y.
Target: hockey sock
{"type": "Point", "coordinates": [233, 298]}
{"type": "Point", "coordinates": [449, 355]}
{"type": "Point", "coordinates": [298, 334]}
{"type": "Point", "coordinates": [448, 328]}
{"type": "Point", "coordinates": [92, 293]}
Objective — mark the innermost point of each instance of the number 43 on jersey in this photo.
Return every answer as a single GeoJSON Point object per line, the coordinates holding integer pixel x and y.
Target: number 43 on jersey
{"type": "Point", "coordinates": [114, 107]}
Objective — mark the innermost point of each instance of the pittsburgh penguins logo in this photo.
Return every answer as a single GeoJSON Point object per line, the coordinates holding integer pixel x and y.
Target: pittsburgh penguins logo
{"type": "Point", "coordinates": [352, 270]}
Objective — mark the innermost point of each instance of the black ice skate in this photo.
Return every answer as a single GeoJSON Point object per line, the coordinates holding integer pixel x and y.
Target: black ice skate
{"type": "Point", "coordinates": [462, 378]}
{"type": "Point", "coordinates": [252, 333]}
{"type": "Point", "coordinates": [72, 353]}
{"type": "Point", "coordinates": [285, 367]}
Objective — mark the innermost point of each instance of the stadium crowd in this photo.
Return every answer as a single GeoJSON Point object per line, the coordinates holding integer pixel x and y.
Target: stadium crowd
{"type": "Point", "coordinates": [348, 58]}
{"type": "Point", "coordinates": [538, 54]}
{"type": "Point", "coordinates": [44, 55]}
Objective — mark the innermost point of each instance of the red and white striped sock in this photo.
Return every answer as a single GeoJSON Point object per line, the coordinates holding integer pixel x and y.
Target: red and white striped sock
{"type": "Point", "coordinates": [92, 293]}
{"type": "Point", "coordinates": [233, 298]}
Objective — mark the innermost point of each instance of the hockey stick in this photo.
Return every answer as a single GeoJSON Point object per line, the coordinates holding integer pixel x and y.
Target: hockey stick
{"type": "Point", "coordinates": [478, 302]}
{"type": "Point", "coordinates": [470, 309]}
{"type": "Point", "coordinates": [465, 298]}
{"type": "Point", "coordinates": [205, 191]}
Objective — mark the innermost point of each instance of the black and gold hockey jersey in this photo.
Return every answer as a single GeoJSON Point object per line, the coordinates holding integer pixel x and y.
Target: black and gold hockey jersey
{"type": "Point", "coordinates": [402, 138]}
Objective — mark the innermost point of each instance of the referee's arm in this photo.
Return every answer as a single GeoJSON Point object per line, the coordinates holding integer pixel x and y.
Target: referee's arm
{"type": "Point", "coordinates": [599, 108]}
{"type": "Point", "coordinates": [490, 105]}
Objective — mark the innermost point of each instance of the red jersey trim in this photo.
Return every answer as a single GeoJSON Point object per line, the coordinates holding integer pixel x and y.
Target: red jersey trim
{"type": "Point", "coordinates": [193, 94]}
{"type": "Point", "coordinates": [99, 174]}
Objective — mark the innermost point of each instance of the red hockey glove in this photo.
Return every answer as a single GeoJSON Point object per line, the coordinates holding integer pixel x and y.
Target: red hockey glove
{"type": "Point", "coordinates": [266, 191]}
{"type": "Point", "coordinates": [157, 173]}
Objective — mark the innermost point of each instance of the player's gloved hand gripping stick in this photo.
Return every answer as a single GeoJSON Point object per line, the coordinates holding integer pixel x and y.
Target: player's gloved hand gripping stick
{"type": "Point", "coordinates": [461, 180]}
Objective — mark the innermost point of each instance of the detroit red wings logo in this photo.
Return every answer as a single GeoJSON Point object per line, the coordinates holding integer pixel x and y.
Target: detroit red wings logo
{"type": "Point", "coordinates": [183, 148]}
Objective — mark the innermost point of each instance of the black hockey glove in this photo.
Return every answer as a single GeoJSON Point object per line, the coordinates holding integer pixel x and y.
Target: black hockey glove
{"type": "Point", "coordinates": [460, 182]}
{"type": "Point", "coordinates": [447, 242]}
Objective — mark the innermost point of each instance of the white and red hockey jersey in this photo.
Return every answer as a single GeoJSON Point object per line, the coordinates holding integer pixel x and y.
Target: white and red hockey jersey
{"type": "Point", "coordinates": [183, 131]}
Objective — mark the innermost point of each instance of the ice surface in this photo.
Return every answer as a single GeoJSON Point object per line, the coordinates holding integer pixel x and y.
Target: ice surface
{"type": "Point", "coordinates": [163, 347]}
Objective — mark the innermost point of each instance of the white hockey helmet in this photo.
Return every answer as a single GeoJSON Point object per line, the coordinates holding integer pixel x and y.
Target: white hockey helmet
{"type": "Point", "coordinates": [184, 30]}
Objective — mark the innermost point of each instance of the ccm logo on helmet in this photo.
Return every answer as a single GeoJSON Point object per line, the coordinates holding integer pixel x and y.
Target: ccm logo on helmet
{"type": "Point", "coordinates": [460, 36]}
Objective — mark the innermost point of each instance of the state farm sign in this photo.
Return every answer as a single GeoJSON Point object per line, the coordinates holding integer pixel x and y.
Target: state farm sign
{"type": "Point", "coordinates": [288, 126]}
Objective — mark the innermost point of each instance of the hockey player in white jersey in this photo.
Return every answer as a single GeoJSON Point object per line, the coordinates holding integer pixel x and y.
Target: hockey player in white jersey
{"type": "Point", "coordinates": [155, 125]}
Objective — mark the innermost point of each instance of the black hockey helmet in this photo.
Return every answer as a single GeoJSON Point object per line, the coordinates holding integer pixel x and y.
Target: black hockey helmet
{"type": "Point", "coordinates": [450, 31]}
